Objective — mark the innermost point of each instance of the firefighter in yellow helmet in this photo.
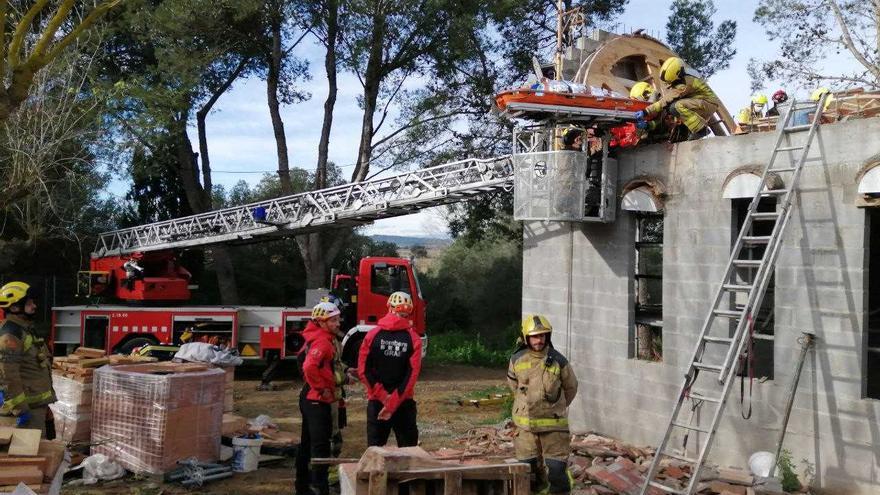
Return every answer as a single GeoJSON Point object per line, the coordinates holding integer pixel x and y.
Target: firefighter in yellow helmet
{"type": "Point", "coordinates": [641, 91]}
{"type": "Point", "coordinates": [688, 98]}
{"type": "Point", "coordinates": [543, 386]}
{"type": "Point", "coordinates": [817, 95]}
{"type": "Point", "coordinates": [25, 361]}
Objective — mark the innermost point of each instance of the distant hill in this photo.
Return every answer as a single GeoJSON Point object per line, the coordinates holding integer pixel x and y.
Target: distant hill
{"type": "Point", "coordinates": [406, 242]}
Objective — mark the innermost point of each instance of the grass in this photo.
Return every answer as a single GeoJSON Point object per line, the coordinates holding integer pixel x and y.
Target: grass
{"type": "Point", "coordinates": [464, 348]}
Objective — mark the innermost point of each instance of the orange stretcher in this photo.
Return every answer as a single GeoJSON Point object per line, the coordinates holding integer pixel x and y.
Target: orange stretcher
{"type": "Point", "coordinates": [579, 100]}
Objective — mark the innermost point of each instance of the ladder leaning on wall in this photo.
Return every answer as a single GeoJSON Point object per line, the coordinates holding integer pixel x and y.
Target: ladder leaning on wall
{"type": "Point", "coordinates": [715, 390]}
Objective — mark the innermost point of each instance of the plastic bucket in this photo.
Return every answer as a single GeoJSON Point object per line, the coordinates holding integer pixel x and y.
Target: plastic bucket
{"type": "Point", "coordinates": [245, 454]}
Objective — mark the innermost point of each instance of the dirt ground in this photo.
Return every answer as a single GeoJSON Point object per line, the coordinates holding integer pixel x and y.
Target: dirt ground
{"type": "Point", "coordinates": [441, 420]}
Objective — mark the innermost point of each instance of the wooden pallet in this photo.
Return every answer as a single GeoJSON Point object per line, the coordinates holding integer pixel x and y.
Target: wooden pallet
{"type": "Point", "coordinates": [384, 470]}
{"type": "Point", "coordinates": [500, 479]}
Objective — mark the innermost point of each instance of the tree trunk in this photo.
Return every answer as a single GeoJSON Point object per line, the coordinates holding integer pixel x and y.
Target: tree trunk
{"type": "Point", "coordinates": [275, 59]}
{"type": "Point", "coordinates": [318, 251]}
{"type": "Point", "coordinates": [372, 82]}
{"type": "Point", "coordinates": [199, 202]}
{"type": "Point", "coordinates": [332, 89]}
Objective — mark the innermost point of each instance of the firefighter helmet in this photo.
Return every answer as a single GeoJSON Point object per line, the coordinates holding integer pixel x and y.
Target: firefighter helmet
{"type": "Point", "coordinates": [672, 70]}
{"type": "Point", "coordinates": [324, 311]}
{"type": "Point", "coordinates": [759, 99]}
{"type": "Point", "coordinates": [400, 302]}
{"type": "Point", "coordinates": [13, 293]}
{"type": "Point", "coordinates": [641, 91]}
{"type": "Point", "coordinates": [780, 96]}
{"type": "Point", "coordinates": [817, 94]}
{"type": "Point", "coordinates": [534, 324]}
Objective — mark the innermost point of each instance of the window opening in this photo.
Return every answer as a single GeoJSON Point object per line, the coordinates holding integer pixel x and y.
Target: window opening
{"type": "Point", "coordinates": [648, 284]}
{"type": "Point", "coordinates": [872, 349]}
{"type": "Point", "coordinates": [388, 279]}
{"type": "Point", "coordinates": [764, 328]}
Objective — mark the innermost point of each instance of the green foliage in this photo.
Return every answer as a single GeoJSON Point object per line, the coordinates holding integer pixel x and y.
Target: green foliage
{"type": "Point", "coordinates": [464, 348]}
{"type": "Point", "coordinates": [691, 33]}
{"type": "Point", "coordinates": [810, 33]}
{"type": "Point", "coordinates": [787, 468]}
{"type": "Point", "coordinates": [476, 286]}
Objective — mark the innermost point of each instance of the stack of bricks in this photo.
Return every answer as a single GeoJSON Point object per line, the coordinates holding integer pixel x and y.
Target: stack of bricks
{"type": "Point", "coordinates": [228, 402]}
{"type": "Point", "coordinates": [72, 378]}
{"type": "Point", "coordinates": [149, 416]}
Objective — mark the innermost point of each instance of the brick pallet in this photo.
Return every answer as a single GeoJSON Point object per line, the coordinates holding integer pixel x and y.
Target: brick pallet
{"type": "Point", "coordinates": [149, 416]}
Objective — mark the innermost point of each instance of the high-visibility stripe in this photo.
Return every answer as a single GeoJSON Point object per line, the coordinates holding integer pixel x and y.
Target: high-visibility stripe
{"type": "Point", "coordinates": [14, 402]}
{"type": "Point", "coordinates": [539, 422]}
{"type": "Point", "coordinates": [33, 399]}
{"type": "Point", "coordinates": [522, 365]}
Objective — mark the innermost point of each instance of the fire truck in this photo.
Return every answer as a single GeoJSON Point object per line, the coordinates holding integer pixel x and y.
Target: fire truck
{"type": "Point", "coordinates": [256, 331]}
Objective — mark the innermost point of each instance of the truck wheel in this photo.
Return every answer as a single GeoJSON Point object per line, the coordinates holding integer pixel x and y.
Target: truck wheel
{"type": "Point", "coordinates": [133, 344]}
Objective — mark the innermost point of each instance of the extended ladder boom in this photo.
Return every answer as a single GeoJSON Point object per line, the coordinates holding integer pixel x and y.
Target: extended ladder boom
{"type": "Point", "coordinates": [348, 204]}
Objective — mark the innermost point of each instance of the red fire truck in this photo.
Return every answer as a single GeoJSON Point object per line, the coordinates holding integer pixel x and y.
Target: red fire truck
{"type": "Point", "coordinates": [256, 331]}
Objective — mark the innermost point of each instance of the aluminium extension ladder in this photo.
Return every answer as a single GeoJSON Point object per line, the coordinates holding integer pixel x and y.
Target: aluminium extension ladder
{"type": "Point", "coordinates": [715, 390]}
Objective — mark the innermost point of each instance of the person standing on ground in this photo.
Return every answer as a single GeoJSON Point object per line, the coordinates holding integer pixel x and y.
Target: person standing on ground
{"type": "Point", "coordinates": [687, 97]}
{"type": "Point", "coordinates": [25, 362]}
{"type": "Point", "coordinates": [324, 376]}
{"type": "Point", "coordinates": [389, 364]}
{"type": "Point", "coordinates": [543, 386]}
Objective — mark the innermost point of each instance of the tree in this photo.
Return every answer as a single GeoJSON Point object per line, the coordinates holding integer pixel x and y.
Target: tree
{"type": "Point", "coordinates": [811, 32]}
{"type": "Point", "coordinates": [35, 38]}
{"type": "Point", "coordinates": [691, 33]}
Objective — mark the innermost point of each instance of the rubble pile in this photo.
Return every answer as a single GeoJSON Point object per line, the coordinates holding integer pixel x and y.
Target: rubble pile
{"type": "Point", "coordinates": [604, 466]}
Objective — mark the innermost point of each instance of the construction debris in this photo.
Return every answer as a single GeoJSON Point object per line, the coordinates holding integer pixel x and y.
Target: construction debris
{"type": "Point", "coordinates": [490, 400]}
{"type": "Point", "coordinates": [27, 459]}
{"type": "Point", "coordinates": [237, 426]}
{"type": "Point", "coordinates": [194, 473]}
{"type": "Point", "coordinates": [604, 466]}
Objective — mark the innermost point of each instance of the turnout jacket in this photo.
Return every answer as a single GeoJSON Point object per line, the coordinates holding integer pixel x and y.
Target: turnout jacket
{"type": "Point", "coordinates": [25, 367]}
{"type": "Point", "coordinates": [543, 386]}
{"type": "Point", "coordinates": [322, 367]}
{"type": "Point", "coordinates": [390, 361]}
{"type": "Point", "coordinates": [689, 87]}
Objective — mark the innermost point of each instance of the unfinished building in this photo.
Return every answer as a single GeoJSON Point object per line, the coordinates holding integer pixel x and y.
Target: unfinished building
{"type": "Point", "coordinates": [627, 299]}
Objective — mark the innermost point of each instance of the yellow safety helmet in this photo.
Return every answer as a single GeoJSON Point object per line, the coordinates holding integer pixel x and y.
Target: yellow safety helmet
{"type": "Point", "coordinates": [400, 302]}
{"type": "Point", "coordinates": [13, 293]}
{"type": "Point", "coordinates": [324, 311]}
{"type": "Point", "coordinates": [817, 94]}
{"type": "Point", "coordinates": [535, 325]}
{"type": "Point", "coordinates": [744, 116]}
{"type": "Point", "coordinates": [672, 70]}
{"type": "Point", "coordinates": [759, 99]}
{"type": "Point", "coordinates": [641, 91]}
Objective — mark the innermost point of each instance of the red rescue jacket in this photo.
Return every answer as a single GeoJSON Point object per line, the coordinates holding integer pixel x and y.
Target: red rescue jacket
{"type": "Point", "coordinates": [321, 365]}
{"type": "Point", "coordinates": [390, 361]}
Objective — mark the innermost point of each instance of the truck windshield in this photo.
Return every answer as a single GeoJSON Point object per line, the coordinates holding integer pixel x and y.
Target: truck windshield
{"type": "Point", "coordinates": [387, 279]}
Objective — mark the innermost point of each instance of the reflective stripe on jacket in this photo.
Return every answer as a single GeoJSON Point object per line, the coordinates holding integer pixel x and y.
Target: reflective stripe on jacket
{"type": "Point", "coordinates": [543, 386]}
{"type": "Point", "coordinates": [691, 87]}
{"type": "Point", "coordinates": [25, 367]}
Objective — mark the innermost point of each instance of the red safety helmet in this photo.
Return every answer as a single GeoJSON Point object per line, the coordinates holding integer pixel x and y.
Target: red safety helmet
{"type": "Point", "coordinates": [780, 96]}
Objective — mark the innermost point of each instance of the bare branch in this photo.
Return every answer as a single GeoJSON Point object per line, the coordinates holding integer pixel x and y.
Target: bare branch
{"type": "Point", "coordinates": [848, 42]}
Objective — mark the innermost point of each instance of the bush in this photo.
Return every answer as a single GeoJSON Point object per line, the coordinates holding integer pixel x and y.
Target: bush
{"type": "Point", "coordinates": [464, 348]}
{"type": "Point", "coordinates": [790, 481]}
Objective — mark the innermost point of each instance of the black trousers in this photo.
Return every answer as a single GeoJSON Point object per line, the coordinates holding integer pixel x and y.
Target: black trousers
{"type": "Point", "coordinates": [403, 422]}
{"type": "Point", "coordinates": [317, 430]}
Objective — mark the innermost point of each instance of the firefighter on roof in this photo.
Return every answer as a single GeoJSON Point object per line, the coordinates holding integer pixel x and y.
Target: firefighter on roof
{"type": "Point", "coordinates": [324, 376]}
{"type": "Point", "coordinates": [389, 363]}
{"type": "Point", "coordinates": [687, 97]}
{"type": "Point", "coordinates": [543, 386]}
{"type": "Point", "coordinates": [25, 361]}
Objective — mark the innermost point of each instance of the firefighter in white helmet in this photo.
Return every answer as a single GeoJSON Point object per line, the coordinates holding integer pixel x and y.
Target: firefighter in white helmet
{"type": "Point", "coordinates": [543, 386]}
{"type": "Point", "coordinates": [25, 362]}
{"type": "Point", "coordinates": [324, 374]}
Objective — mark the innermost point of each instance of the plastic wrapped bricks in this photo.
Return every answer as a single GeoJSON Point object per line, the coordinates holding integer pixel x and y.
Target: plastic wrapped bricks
{"type": "Point", "coordinates": [73, 411]}
{"type": "Point", "coordinates": [148, 416]}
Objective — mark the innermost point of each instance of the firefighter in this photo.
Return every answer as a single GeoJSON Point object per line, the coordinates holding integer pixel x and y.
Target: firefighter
{"type": "Point", "coordinates": [389, 363]}
{"type": "Point", "coordinates": [543, 386]}
{"type": "Point", "coordinates": [25, 361]}
{"type": "Point", "coordinates": [642, 91]}
{"type": "Point", "coordinates": [324, 376]}
{"type": "Point", "coordinates": [688, 98]}
{"type": "Point", "coordinates": [779, 97]}
{"type": "Point", "coordinates": [817, 95]}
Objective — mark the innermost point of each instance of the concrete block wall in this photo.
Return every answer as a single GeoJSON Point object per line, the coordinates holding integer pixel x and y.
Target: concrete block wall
{"type": "Point", "coordinates": [820, 282]}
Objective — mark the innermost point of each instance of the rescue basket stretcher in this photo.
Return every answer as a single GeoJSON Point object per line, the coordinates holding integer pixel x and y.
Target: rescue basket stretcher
{"type": "Point", "coordinates": [542, 104]}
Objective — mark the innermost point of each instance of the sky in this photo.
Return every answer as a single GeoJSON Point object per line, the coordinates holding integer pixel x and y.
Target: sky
{"type": "Point", "coordinates": [242, 146]}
